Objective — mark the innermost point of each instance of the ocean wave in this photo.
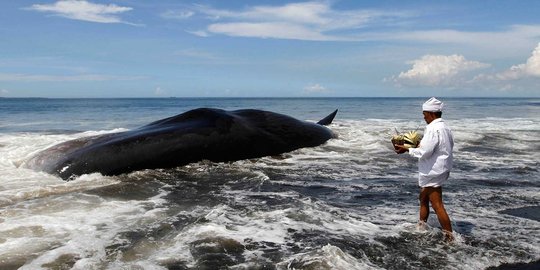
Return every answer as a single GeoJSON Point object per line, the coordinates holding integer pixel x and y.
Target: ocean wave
{"type": "Point", "coordinates": [348, 203]}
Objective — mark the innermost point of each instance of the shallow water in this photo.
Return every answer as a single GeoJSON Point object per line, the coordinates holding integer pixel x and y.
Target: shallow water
{"type": "Point", "coordinates": [348, 204]}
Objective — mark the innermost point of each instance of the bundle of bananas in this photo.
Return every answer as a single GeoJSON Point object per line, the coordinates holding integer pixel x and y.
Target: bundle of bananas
{"type": "Point", "coordinates": [410, 139]}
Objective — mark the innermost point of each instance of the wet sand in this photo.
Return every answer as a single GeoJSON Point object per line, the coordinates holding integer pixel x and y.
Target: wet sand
{"type": "Point", "coordinates": [530, 212]}
{"type": "Point", "coordinates": [517, 266]}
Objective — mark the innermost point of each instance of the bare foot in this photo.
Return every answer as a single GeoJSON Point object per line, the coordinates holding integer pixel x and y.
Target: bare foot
{"type": "Point", "coordinates": [421, 226]}
{"type": "Point", "coordinates": [448, 236]}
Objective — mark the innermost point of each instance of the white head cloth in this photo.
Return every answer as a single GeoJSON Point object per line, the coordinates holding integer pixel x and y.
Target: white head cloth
{"type": "Point", "coordinates": [432, 105]}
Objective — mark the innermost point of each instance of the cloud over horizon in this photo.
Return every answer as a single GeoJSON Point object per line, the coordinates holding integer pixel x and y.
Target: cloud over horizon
{"type": "Point", "coordinates": [454, 71]}
{"type": "Point", "coordinates": [437, 70]}
{"type": "Point", "coordinates": [316, 88]}
{"type": "Point", "coordinates": [83, 10]}
{"type": "Point", "coordinates": [531, 68]}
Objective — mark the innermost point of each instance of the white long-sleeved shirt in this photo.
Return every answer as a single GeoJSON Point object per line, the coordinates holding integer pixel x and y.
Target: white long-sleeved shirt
{"type": "Point", "coordinates": [434, 154]}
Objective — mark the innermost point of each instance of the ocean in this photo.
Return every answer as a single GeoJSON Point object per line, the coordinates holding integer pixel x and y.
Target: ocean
{"type": "Point", "coordinates": [348, 204]}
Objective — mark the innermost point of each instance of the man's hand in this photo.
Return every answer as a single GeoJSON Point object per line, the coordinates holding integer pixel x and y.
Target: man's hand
{"type": "Point", "coordinates": [400, 148]}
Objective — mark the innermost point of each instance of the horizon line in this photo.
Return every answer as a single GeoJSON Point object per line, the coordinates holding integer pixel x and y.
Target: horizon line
{"type": "Point", "coordinates": [265, 97]}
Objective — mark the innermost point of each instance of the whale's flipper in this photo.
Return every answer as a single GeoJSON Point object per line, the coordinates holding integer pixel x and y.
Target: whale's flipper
{"type": "Point", "coordinates": [328, 120]}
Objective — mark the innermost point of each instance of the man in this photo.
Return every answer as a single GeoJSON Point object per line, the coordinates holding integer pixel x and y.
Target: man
{"type": "Point", "coordinates": [434, 155]}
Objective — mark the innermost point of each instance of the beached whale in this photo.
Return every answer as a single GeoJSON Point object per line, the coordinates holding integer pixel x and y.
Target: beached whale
{"type": "Point", "coordinates": [200, 134]}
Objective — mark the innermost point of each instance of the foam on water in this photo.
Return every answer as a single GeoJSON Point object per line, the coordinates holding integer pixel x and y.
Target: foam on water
{"type": "Point", "coordinates": [44, 218]}
{"type": "Point", "coordinates": [328, 257]}
{"type": "Point", "coordinates": [348, 204]}
{"type": "Point", "coordinates": [77, 224]}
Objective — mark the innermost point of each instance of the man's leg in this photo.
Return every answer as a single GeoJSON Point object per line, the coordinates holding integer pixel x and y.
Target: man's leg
{"type": "Point", "coordinates": [435, 197]}
{"type": "Point", "coordinates": [424, 204]}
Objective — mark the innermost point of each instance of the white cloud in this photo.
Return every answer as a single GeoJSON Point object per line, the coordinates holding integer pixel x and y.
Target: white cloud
{"type": "Point", "coordinates": [268, 30]}
{"type": "Point", "coordinates": [177, 14]}
{"type": "Point", "coordinates": [529, 69]}
{"type": "Point", "coordinates": [83, 10]}
{"type": "Point", "coordinates": [314, 20]}
{"type": "Point", "coordinates": [196, 53]}
{"type": "Point", "coordinates": [4, 91]}
{"type": "Point", "coordinates": [308, 12]}
{"type": "Point", "coordinates": [437, 70]}
{"type": "Point", "coordinates": [64, 78]}
{"type": "Point", "coordinates": [516, 32]}
{"type": "Point", "coordinates": [321, 21]}
{"type": "Point", "coordinates": [199, 33]}
{"type": "Point", "coordinates": [316, 88]}
{"type": "Point", "coordinates": [522, 37]}
{"type": "Point", "coordinates": [524, 76]}
{"type": "Point", "coordinates": [454, 71]}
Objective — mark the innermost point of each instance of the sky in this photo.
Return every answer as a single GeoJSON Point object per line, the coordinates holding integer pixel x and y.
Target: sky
{"type": "Point", "coordinates": [334, 48]}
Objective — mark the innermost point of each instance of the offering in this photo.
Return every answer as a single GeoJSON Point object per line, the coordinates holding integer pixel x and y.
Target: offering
{"type": "Point", "coordinates": [410, 139]}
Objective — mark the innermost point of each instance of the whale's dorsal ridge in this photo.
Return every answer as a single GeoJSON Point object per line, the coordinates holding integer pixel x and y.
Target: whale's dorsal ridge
{"type": "Point", "coordinates": [328, 119]}
{"type": "Point", "coordinates": [199, 113]}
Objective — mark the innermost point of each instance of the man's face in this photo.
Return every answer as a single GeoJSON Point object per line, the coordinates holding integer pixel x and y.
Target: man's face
{"type": "Point", "coordinates": [429, 116]}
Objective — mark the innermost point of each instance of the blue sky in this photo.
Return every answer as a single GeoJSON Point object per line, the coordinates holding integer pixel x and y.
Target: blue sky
{"type": "Point", "coordinates": [129, 48]}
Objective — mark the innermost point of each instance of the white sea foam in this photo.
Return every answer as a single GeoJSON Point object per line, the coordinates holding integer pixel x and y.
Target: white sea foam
{"type": "Point", "coordinates": [44, 217]}
{"type": "Point", "coordinates": [326, 258]}
{"type": "Point", "coordinates": [44, 220]}
{"type": "Point", "coordinates": [78, 224]}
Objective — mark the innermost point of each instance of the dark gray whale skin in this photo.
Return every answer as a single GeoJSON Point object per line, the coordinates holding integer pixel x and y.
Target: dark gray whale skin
{"type": "Point", "coordinates": [200, 134]}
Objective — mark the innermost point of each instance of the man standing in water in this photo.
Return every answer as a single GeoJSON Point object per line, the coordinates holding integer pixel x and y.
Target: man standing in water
{"type": "Point", "coordinates": [434, 164]}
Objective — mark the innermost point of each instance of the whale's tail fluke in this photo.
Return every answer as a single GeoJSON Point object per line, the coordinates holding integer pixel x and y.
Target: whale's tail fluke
{"type": "Point", "coordinates": [328, 120]}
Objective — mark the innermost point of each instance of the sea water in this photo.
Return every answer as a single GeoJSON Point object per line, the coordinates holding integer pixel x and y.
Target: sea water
{"type": "Point", "coordinates": [348, 204]}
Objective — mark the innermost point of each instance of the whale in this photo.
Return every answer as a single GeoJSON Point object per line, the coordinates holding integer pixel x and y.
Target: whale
{"type": "Point", "coordinates": [200, 134]}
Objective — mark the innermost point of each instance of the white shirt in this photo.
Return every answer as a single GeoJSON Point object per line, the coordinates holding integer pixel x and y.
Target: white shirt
{"type": "Point", "coordinates": [434, 154]}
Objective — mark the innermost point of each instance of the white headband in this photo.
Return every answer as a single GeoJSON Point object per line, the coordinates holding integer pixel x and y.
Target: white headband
{"type": "Point", "coordinates": [432, 105]}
